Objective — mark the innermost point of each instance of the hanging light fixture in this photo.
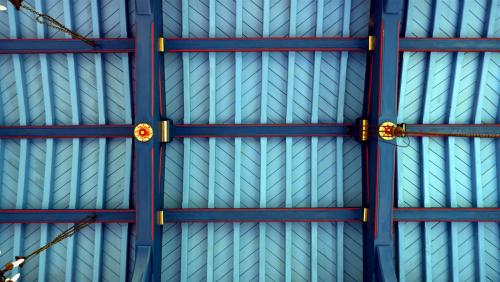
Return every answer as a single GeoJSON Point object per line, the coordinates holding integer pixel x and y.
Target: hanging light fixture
{"type": "Point", "coordinates": [3, 8]}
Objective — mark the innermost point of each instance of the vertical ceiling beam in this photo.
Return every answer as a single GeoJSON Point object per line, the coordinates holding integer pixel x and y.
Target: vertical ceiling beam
{"type": "Point", "coordinates": [450, 147]}
{"type": "Point", "coordinates": [127, 96]}
{"type": "Point", "coordinates": [314, 141]}
{"type": "Point", "coordinates": [237, 141]}
{"type": "Point", "coordinates": [101, 110]}
{"type": "Point", "coordinates": [403, 73]}
{"type": "Point", "coordinates": [22, 100]}
{"type": "Point", "coordinates": [477, 173]}
{"type": "Point", "coordinates": [380, 105]}
{"type": "Point", "coordinates": [48, 178]}
{"type": "Point", "coordinates": [339, 151]}
{"type": "Point", "coordinates": [263, 142]}
{"type": "Point", "coordinates": [425, 151]}
{"type": "Point", "coordinates": [149, 194]}
{"type": "Point", "coordinates": [289, 142]}
{"type": "Point", "coordinates": [186, 176]}
{"type": "Point", "coordinates": [212, 142]}
{"type": "Point", "coordinates": [76, 147]}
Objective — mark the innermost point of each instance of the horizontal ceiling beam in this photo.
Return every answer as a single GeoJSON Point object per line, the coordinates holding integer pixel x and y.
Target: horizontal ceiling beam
{"type": "Point", "coordinates": [66, 216]}
{"type": "Point", "coordinates": [449, 44]}
{"type": "Point", "coordinates": [67, 131]}
{"type": "Point", "coordinates": [264, 215]}
{"type": "Point", "coordinates": [38, 46]}
{"type": "Point", "coordinates": [325, 214]}
{"type": "Point", "coordinates": [275, 44]}
{"type": "Point", "coordinates": [127, 45]}
{"type": "Point", "coordinates": [353, 44]}
{"type": "Point", "coordinates": [491, 130]}
{"type": "Point", "coordinates": [258, 130]}
{"type": "Point", "coordinates": [447, 214]}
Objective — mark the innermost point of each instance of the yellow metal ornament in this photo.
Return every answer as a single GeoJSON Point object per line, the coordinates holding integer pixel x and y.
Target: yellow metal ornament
{"type": "Point", "coordinates": [386, 130]}
{"type": "Point", "coordinates": [143, 132]}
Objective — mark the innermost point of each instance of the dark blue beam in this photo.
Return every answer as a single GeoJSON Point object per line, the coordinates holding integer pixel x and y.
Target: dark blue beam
{"type": "Point", "coordinates": [379, 157]}
{"type": "Point", "coordinates": [449, 44]}
{"type": "Point", "coordinates": [264, 215]}
{"type": "Point", "coordinates": [38, 46]}
{"type": "Point", "coordinates": [385, 264]}
{"type": "Point", "coordinates": [327, 44]}
{"type": "Point", "coordinates": [327, 214]}
{"type": "Point", "coordinates": [447, 214]}
{"type": "Point", "coordinates": [142, 267]}
{"type": "Point", "coordinates": [67, 131]}
{"type": "Point", "coordinates": [266, 44]}
{"type": "Point", "coordinates": [258, 130]}
{"type": "Point", "coordinates": [147, 155]}
{"type": "Point", "coordinates": [66, 216]}
{"type": "Point", "coordinates": [453, 129]}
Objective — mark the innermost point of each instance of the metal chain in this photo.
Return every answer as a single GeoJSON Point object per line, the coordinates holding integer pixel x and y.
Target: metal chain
{"type": "Point", "coordinates": [51, 22]}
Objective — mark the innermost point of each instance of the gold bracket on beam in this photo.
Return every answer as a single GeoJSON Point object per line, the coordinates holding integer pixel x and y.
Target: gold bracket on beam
{"type": "Point", "coordinates": [161, 44]}
{"type": "Point", "coordinates": [361, 129]}
{"type": "Point", "coordinates": [165, 128]}
{"type": "Point", "coordinates": [160, 218]}
{"type": "Point", "coordinates": [371, 43]}
{"type": "Point", "coordinates": [365, 214]}
{"type": "Point", "coordinates": [364, 130]}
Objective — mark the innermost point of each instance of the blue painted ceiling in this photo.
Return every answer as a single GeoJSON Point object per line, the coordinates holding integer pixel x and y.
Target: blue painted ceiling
{"type": "Point", "coordinates": [268, 87]}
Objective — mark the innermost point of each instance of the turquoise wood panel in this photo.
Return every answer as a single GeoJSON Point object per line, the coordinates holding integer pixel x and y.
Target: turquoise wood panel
{"type": "Point", "coordinates": [451, 172]}
{"type": "Point", "coordinates": [275, 87]}
{"type": "Point", "coordinates": [411, 251]}
{"type": "Point", "coordinates": [275, 251]}
{"type": "Point", "coordinates": [110, 18]}
{"type": "Point", "coordinates": [56, 256]}
{"type": "Point", "coordinates": [61, 174]}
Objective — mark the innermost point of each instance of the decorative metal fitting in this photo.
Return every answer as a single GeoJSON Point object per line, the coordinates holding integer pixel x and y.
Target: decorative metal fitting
{"type": "Point", "coordinates": [388, 130]}
{"type": "Point", "coordinates": [143, 132]}
{"type": "Point", "coordinates": [165, 131]}
{"type": "Point", "coordinates": [160, 218]}
{"type": "Point", "coordinates": [371, 43]}
{"type": "Point", "coordinates": [385, 130]}
{"type": "Point", "coordinates": [161, 44]}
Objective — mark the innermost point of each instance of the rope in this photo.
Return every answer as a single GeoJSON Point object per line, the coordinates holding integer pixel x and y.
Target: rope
{"type": "Point", "coordinates": [66, 234]}
{"type": "Point", "coordinates": [438, 134]}
{"type": "Point", "coordinates": [400, 132]}
{"type": "Point", "coordinates": [50, 21]}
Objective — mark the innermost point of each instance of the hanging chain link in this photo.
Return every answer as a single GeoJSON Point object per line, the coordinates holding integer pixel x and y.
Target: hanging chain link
{"type": "Point", "coordinates": [50, 21]}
